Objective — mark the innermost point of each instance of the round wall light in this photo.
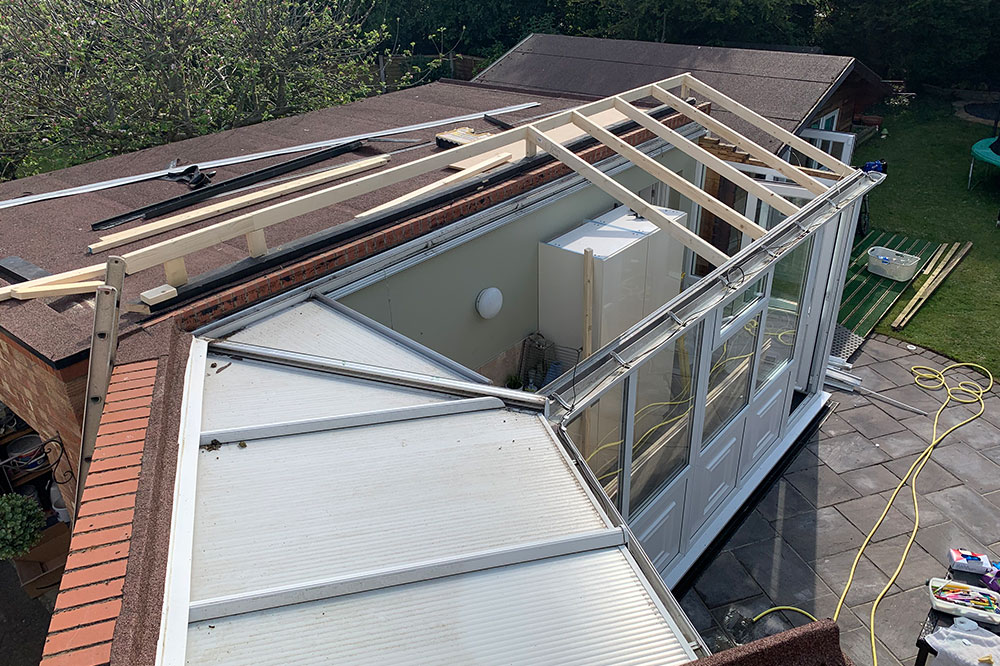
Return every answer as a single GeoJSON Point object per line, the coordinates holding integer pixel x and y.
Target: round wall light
{"type": "Point", "coordinates": [488, 302]}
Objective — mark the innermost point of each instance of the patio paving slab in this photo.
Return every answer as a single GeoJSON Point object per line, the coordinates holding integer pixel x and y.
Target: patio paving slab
{"type": "Point", "coordinates": [932, 476]}
{"type": "Point", "coordinates": [781, 572]}
{"type": "Point", "coordinates": [783, 501]}
{"type": "Point", "coordinates": [725, 581]}
{"type": "Point", "coordinates": [871, 421]}
{"type": "Point", "coordinates": [883, 351]}
{"type": "Point", "coordinates": [897, 621]}
{"type": "Point", "coordinates": [857, 646]}
{"type": "Point", "coordinates": [835, 425]}
{"type": "Point", "coordinates": [868, 579]}
{"type": "Point", "coordinates": [929, 513]}
{"type": "Point", "coordinates": [697, 611]}
{"type": "Point", "coordinates": [976, 471]}
{"type": "Point", "coordinates": [821, 534]}
{"type": "Point", "coordinates": [864, 511]}
{"type": "Point", "coordinates": [919, 564]}
{"type": "Point", "coordinates": [821, 486]}
{"type": "Point", "coordinates": [870, 480]}
{"type": "Point", "coordinates": [727, 616]}
{"type": "Point", "coordinates": [851, 451]}
{"type": "Point", "coordinates": [804, 459]}
{"type": "Point", "coordinates": [824, 606]}
{"type": "Point", "coordinates": [970, 510]}
{"type": "Point", "coordinates": [900, 444]}
{"type": "Point", "coordinates": [870, 379]}
{"type": "Point", "coordinates": [754, 528]}
{"type": "Point", "coordinates": [937, 540]}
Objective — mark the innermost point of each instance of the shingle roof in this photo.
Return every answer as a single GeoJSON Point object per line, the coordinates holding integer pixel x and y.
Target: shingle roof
{"type": "Point", "coordinates": [783, 86]}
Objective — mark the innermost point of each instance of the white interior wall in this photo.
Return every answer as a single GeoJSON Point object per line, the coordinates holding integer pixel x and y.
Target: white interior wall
{"type": "Point", "coordinates": [434, 301]}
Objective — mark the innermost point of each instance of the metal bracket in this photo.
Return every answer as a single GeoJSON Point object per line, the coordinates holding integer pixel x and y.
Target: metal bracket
{"type": "Point", "coordinates": [620, 360]}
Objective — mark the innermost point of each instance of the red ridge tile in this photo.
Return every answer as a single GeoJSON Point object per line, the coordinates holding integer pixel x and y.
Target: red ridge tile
{"type": "Point", "coordinates": [117, 462]}
{"type": "Point", "coordinates": [132, 374]}
{"type": "Point", "coordinates": [122, 426]}
{"type": "Point", "coordinates": [101, 537]}
{"type": "Point", "coordinates": [129, 394]}
{"type": "Point", "coordinates": [77, 617]}
{"type": "Point", "coordinates": [123, 405]}
{"type": "Point", "coordinates": [90, 575]}
{"type": "Point", "coordinates": [80, 596]}
{"type": "Point", "coordinates": [137, 365]}
{"type": "Point", "coordinates": [122, 449]}
{"type": "Point", "coordinates": [74, 639]}
{"type": "Point", "coordinates": [92, 656]}
{"type": "Point", "coordinates": [94, 507]}
{"type": "Point", "coordinates": [112, 476]}
{"type": "Point", "coordinates": [109, 490]}
{"type": "Point", "coordinates": [125, 415]}
{"type": "Point", "coordinates": [84, 558]}
{"type": "Point", "coordinates": [103, 520]}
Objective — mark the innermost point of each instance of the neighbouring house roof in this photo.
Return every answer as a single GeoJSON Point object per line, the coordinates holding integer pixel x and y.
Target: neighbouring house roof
{"type": "Point", "coordinates": [784, 86]}
{"type": "Point", "coordinates": [54, 234]}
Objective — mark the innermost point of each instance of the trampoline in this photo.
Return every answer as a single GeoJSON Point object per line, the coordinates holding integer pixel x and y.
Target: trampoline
{"type": "Point", "coordinates": [982, 152]}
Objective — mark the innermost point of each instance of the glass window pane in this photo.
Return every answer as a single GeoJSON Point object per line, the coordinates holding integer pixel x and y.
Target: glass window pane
{"type": "Point", "coordinates": [597, 433]}
{"type": "Point", "coordinates": [663, 408]}
{"type": "Point", "coordinates": [729, 379]}
{"type": "Point", "coordinates": [743, 302]}
{"type": "Point", "coordinates": [783, 312]}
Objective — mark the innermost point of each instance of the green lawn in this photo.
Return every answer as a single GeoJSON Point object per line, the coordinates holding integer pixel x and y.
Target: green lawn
{"type": "Point", "coordinates": [925, 196]}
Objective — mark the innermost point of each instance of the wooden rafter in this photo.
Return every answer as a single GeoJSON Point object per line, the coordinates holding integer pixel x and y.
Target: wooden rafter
{"type": "Point", "coordinates": [693, 150]}
{"type": "Point", "coordinates": [695, 243]}
{"type": "Point", "coordinates": [665, 175]}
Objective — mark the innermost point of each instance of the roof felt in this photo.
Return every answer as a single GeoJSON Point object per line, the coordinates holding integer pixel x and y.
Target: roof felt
{"type": "Point", "coordinates": [783, 86]}
{"type": "Point", "coordinates": [54, 234]}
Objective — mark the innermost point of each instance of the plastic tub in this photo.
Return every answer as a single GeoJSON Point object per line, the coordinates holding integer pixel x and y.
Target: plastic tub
{"type": "Point", "coordinates": [894, 265]}
{"type": "Point", "coordinates": [961, 609]}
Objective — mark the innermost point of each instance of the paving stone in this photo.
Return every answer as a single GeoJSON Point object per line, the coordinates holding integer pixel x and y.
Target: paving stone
{"type": "Point", "coordinates": [992, 454]}
{"type": "Point", "coordinates": [932, 476]}
{"type": "Point", "coordinates": [835, 425]}
{"type": "Point", "coordinates": [856, 644]}
{"type": "Point", "coordinates": [820, 534]}
{"type": "Point", "coordinates": [863, 359]}
{"type": "Point", "coordinates": [993, 497]}
{"type": "Point", "coordinates": [872, 380]}
{"type": "Point", "coordinates": [783, 501]}
{"type": "Point", "coordinates": [978, 434]}
{"type": "Point", "coordinates": [897, 621]}
{"type": "Point", "coordinates": [805, 459]}
{"type": "Point", "coordinates": [914, 396]}
{"type": "Point", "coordinates": [697, 611]}
{"type": "Point", "coordinates": [976, 471]}
{"type": "Point", "coordinates": [883, 351]}
{"type": "Point", "coordinates": [717, 640]}
{"type": "Point", "coordinates": [870, 480]}
{"type": "Point", "coordinates": [921, 426]}
{"type": "Point", "coordinates": [822, 607]}
{"type": "Point", "coordinates": [919, 565]}
{"type": "Point", "coordinates": [822, 486]}
{"type": "Point", "coordinates": [900, 444]}
{"type": "Point", "coordinates": [871, 421]}
{"type": "Point", "coordinates": [864, 511]}
{"type": "Point", "coordinates": [725, 581]}
{"type": "Point", "coordinates": [754, 528]}
{"type": "Point", "coordinates": [782, 574]}
{"type": "Point", "coordinates": [929, 513]}
{"type": "Point", "coordinates": [893, 372]}
{"type": "Point", "coordinates": [728, 616]}
{"type": "Point", "coordinates": [848, 452]}
{"type": "Point", "coordinates": [868, 578]}
{"type": "Point", "coordinates": [848, 400]}
{"type": "Point", "coordinates": [992, 410]}
{"type": "Point", "coordinates": [970, 510]}
{"type": "Point", "coordinates": [939, 539]}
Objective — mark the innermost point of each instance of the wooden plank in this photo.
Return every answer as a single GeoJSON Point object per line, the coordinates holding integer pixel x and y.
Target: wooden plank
{"type": "Point", "coordinates": [740, 141]}
{"type": "Point", "coordinates": [665, 175]}
{"type": "Point", "coordinates": [899, 322]}
{"type": "Point", "coordinates": [937, 255]}
{"type": "Point", "coordinates": [931, 286]}
{"type": "Point", "coordinates": [695, 243]}
{"type": "Point", "coordinates": [158, 294]}
{"type": "Point", "coordinates": [474, 169]}
{"type": "Point", "coordinates": [206, 212]}
{"type": "Point", "coordinates": [257, 243]}
{"type": "Point", "coordinates": [76, 275]}
{"type": "Point", "coordinates": [762, 123]}
{"type": "Point", "coordinates": [24, 291]}
{"type": "Point", "coordinates": [176, 272]}
{"type": "Point", "coordinates": [720, 166]}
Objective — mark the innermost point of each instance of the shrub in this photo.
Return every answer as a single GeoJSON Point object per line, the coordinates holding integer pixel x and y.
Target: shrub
{"type": "Point", "coordinates": [21, 523]}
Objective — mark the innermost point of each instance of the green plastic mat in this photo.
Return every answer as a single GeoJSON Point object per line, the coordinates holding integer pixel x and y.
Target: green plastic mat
{"type": "Point", "coordinates": [867, 297]}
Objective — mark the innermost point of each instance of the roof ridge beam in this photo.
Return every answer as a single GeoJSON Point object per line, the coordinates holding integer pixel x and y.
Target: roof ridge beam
{"type": "Point", "coordinates": [359, 419]}
{"type": "Point", "coordinates": [623, 195]}
{"type": "Point", "coordinates": [738, 140]}
{"type": "Point", "coordinates": [375, 373]}
{"type": "Point", "coordinates": [693, 150]}
{"type": "Point", "coordinates": [665, 175]}
{"type": "Point", "coordinates": [762, 123]}
{"type": "Point", "coordinates": [297, 593]}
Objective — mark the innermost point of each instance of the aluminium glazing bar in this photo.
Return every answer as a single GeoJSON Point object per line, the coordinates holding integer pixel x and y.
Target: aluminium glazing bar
{"type": "Point", "coordinates": [511, 397]}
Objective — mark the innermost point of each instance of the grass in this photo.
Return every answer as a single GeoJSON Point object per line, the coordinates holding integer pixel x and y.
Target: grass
{"type": "Point", "coordinates": [925, 196]}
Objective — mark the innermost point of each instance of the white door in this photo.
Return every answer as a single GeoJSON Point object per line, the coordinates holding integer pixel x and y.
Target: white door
{"type": "Point", "coordinates": [838, 144]}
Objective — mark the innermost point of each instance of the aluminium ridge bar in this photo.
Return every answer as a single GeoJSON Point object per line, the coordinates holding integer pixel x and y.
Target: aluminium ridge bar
{"type": "Point", "coordinates": [214, 189]}
{"type": "Point", "coordinates": [227, 161]}
{"type": "Point", "coordinates": [342, 421]}
{"type": "Point", "coordinates": [416, 380]}
{"type": "Point", "coordinates": [692, 303]}
{"type": "Point", "coordinates": [344, 281]}
{"type": "Point", "coordinates": [379, 579]}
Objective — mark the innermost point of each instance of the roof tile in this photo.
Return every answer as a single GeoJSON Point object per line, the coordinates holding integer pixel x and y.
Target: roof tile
{"type": "Point", "coordinates": [122, 426]}
{"type": "Point", "coordinates": [73, 639]}
{"type": "Point", "coordinates": [103, 520]}
{"type": "Point", "coordinates": [123, 448]}
{"type": "Point", "coordinates": [80, 596]}
{"type": "Point", "coordinates": [96, 574]}
{"type": "Point", "coordinates": [96, 506]}
{"type": "Point", "coordinates": [86, 558]}
{"type": "Point", "coordinates": [102, 537]}
{"type": "Point", "coordinates": [92, 656]}
{"type": "Point", "coordinates": [118, 462]}
{"type": "Point", "coordinates": [77, 617]}
{"type": "Point", "coordinates": [110, 490]}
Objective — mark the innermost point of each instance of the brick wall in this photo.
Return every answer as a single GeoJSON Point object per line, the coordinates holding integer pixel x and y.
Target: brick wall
{"type": "Point", "coordinates": [90, 594]}
{"type": "Point", "coordinates": [253, 291]}
{"type": "Point", "coordinates": [49, 400]}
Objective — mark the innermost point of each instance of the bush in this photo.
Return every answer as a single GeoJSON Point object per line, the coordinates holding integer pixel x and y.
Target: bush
{"type": "Point", "coordinates": [21, 523]}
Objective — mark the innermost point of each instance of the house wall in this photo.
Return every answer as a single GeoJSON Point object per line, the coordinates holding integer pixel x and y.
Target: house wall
{"type": "Point", "coordinates": [49, 400]}
{"type": "Point", "coordinates": [506, 258]}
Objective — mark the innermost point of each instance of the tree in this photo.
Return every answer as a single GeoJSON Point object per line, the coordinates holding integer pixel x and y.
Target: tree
{"type": "Point", "coordinates": [109, 76]}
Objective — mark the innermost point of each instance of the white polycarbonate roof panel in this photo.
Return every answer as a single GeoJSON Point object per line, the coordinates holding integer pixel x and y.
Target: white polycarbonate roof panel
{"type": "Point", "coordinates": [246, 393]}
{"type": "Point", "coordinates": [590, 608]}
{"type": "Point", "coordinates": [314, 328]}
{"type": "Point", "coordinates": [335, 503]}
